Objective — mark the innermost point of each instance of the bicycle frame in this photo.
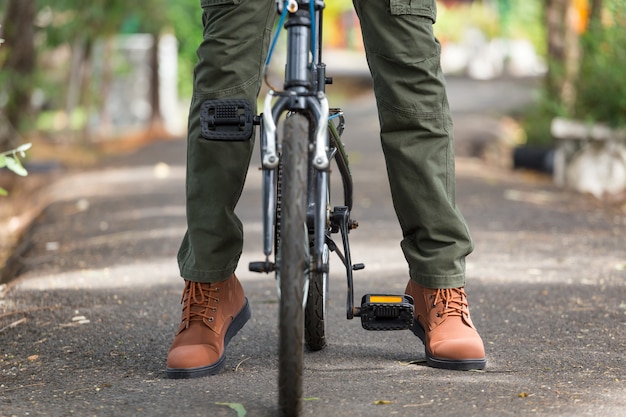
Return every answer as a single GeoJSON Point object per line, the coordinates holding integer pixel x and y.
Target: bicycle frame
{"type": "Point", "coordinates": [304, 92]}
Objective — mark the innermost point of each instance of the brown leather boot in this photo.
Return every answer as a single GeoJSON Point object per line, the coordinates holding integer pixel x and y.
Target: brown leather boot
{"type": "Point", "coordinates": [212, 315]}
{"type": "Point", "coordinates": [442, 322]}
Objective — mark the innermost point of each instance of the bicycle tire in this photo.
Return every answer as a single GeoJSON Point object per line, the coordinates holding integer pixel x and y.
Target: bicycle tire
{"type": "Point", "coordinates": [315, 311]}
{"type": "Point", "coordinates": [294, 261]}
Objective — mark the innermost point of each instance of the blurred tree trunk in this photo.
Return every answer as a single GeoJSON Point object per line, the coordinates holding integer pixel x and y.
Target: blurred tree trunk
{"type": "Point", "coordinates": [556, 11]}
{"type": "Point", "coordinates": [19, 34]}
{"type": "Point", "coordinates": [595, 13]}
{"type": "Point", "coordinates": [73, 85]}
{"type": "Point", "coordinates": [86, 99]}
{"type": "Point", "coordinates": [105, 126]}
{"type": "Point", "coordinates": [156, 119]}
{"type": "Point", "coordinates": [78, 88]}
{"type": "Point", "coordinates": [564, 52]}
{"type": "Point", "coordinates": [572, 59]}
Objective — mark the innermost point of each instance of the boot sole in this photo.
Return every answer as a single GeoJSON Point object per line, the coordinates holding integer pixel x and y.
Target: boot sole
{"type": "Point", "coordinates": [237, 324]}
{"type": "Point", "coordinates": [455, 365]}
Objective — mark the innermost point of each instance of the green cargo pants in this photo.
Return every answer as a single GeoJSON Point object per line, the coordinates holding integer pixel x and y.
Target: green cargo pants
{"type": "Point", "coordinates": [416, 134]}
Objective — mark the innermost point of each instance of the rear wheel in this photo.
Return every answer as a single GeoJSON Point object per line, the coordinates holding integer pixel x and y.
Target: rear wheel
{"type": "Point", "coordinates": [293, 264]}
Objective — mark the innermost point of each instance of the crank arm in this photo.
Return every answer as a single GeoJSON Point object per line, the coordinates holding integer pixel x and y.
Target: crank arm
{"type": "Point", "coordinates": [341, 218]}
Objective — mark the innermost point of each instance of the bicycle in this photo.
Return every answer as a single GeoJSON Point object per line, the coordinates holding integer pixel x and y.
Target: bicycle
{"type": "Point", "coordinates": [298, 219]}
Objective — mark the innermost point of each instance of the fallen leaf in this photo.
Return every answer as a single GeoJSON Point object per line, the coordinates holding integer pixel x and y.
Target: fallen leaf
{"type": "Point", "coordinates": [414, 362]}
{"type": "Point", "coordinates": [522, 395]}
{"type": "Point", "coordinates": [33, 357]}
{"type": "Point", "coordinates": [418, 405]}
{"type": "Point", "coordinates": [14, 324]}
{"type": "Point", "coordinates": [239, 364]}
{"type": "Point", "coordinates": [382, 402]}
{"type": "Point", "coordinates": [80, 319]}
{"type": "Point", "coordinates": [239, 408]}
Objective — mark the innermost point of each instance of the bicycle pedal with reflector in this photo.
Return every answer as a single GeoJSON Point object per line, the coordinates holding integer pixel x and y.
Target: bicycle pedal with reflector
{"type": "Point", "coordinates": [227, 120]}
{"type": "Point", "coordinates": [386, 312]}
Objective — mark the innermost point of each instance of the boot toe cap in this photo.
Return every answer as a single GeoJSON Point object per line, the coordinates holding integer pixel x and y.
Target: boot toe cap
{"type": "Point", "coordinates": [458, 348]}
{"type": "Point", "coordinates": [192, 356]}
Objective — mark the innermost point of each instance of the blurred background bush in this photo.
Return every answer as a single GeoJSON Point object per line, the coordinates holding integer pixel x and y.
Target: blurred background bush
{"type": "Point", "coordinates": [85, 72]}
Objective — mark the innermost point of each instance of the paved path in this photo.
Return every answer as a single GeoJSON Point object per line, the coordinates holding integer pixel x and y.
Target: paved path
{"type": "Point", "coordinates": [86, 327]}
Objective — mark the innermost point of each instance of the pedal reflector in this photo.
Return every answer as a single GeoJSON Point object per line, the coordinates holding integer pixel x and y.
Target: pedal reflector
{"type": "Point", "coordinates": [386, 299]}
{"type": "Point", "coordinates": [386, 312]}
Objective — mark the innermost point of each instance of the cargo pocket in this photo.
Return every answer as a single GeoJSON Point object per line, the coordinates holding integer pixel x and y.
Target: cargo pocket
{"type": "Point", "coordinates": [421, 8]}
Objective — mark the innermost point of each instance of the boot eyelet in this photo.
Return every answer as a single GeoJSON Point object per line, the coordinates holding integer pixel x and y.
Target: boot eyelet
{"type": "Point", "coordinates": [211, 319]}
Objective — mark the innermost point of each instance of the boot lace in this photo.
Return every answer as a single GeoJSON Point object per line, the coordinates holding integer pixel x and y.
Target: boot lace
{"type": "Point", "coordinates": [454, 302]}
{"type": "Point", "coordinates": [199, 302]}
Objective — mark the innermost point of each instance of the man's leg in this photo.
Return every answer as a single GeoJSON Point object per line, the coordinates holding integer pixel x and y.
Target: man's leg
{"type": "Point", "coordinates": [416, 134]}
{"type": "Point", "coordinates": [235, 41]}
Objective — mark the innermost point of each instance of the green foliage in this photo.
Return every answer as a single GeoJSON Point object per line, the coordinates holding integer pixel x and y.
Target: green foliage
{"type": "Point", "coordinates": [185, 20]}
{"type": "Point", "coordinates": [101, 18]}
{"type": "Point", "coordinates": [524, 20]}
{"type": "Point", "coordinates": [509, 20]}
{"type": "Point", "coordinates": [238, 408]}
{"type": "Point", "coordinates": [453, 23]}
{"type": "Point", "coordinates": [67, 20]}
{"type": "Point", "coordinates": [601, 84]}
{"type": "Point", "coordinates": [11, 160]}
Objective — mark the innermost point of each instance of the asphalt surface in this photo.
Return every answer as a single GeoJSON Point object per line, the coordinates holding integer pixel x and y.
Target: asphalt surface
{"type": "Point", "coordinates": [85, 328]}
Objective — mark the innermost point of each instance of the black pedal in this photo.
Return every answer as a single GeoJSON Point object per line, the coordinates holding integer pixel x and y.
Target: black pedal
{"type": "Point", "coordinates": [386, 312]}
{"type": "Point", "coordinates": [262, 267]}
{"type": "Point", "coordinates": [226, 120]}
